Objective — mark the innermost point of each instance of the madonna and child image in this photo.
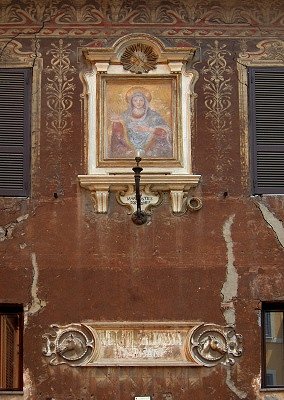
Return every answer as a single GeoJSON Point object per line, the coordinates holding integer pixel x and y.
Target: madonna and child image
{"type": "Point", "coordinates": [139, 129]}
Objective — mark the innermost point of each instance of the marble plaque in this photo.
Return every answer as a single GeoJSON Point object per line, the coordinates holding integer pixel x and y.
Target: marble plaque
{"type": "Point", "coordinates": [148, 200]}
{"type": "Point", "coordinates": [144, 343]}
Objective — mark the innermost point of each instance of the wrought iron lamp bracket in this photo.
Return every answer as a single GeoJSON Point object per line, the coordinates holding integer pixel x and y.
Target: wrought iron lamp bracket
{"type": "Point", "coordinates": [139, 217]}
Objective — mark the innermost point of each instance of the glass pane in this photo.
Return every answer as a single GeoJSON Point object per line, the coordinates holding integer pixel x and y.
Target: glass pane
{"type": "Point", "coordinates": [274, 357]}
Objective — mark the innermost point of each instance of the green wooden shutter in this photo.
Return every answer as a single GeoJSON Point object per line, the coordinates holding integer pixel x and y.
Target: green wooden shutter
{"type": "Point", "coordinates": [267, 129]}
{"type": "Point", "coordinates": [15, 106]}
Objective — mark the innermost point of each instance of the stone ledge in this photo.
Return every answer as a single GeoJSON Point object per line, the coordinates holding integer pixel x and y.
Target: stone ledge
{"type": "Point", "coordinates": [177, 185]}
{"type": "Point", "coordinates": [11, 395]}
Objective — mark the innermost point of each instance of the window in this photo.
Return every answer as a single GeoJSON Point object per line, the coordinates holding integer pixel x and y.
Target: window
{"type": "Point", "coordinates": [273, 345]}
{"type": "Point", "coordinates": [267, 129]}
{"type": "Point", "coordinates": [11, 347]}
{"type": "Point", "coordinates": [15, 110]}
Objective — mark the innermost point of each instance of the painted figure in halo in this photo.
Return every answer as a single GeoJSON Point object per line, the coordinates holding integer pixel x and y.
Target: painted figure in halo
{"type": "Point", "coordinates": [140, 129]}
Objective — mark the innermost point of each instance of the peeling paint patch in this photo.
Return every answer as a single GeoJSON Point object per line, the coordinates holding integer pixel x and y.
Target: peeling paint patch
{"type": "Point", "coordinates": [230, 287]}
{"type": "Point", "coordinates": [275, 223]}
{"type": "Point", "coordinates": [229, 382]}
{"type": "Point", "coordinates": [28, 385]}
{"type": "Point", "coordinates": [256, 383]}
{"type": "Point", "coordinates": [6, 231]}
{"type": "Point", "coordinates": [36, 304]}
{"type": "Point", "coordinates": [229, 293]}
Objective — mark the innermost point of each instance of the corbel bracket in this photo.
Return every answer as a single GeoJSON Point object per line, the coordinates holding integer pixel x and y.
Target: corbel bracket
{"type": "Point", "coordinates": [177, 186]}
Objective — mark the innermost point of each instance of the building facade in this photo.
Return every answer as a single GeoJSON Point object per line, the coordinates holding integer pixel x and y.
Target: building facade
{"type": "Point", "coordinates": [189, 304]}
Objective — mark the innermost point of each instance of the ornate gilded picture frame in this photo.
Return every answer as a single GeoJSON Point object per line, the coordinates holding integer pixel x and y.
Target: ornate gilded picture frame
{"type": "Point", "coordinates": [138, 116]}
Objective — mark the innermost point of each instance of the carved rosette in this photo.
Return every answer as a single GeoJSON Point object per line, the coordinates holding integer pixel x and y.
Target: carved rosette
{"type": "Point", "coordinates": [211, 344]}
{"type": "Point", "coordinates": [71, 344]}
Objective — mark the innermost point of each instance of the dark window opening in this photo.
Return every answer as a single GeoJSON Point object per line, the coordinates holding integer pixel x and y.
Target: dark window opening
{"type": "Point", "coordinates": [15, 126]}
{"type": "Point", "coordinates": [11, 347]}
{"type": "Point", "coordinates": [266, 114]}
{"type": "Point", "coordinates": [273, 345]}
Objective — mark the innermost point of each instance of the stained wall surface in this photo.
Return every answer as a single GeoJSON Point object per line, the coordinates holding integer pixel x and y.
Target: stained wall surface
{"type": "Point", "coordinates": [67, 264]}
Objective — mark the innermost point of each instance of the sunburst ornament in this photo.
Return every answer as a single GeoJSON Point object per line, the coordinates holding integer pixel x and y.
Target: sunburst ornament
{"type": "Point", "coordinates": [139, 58]}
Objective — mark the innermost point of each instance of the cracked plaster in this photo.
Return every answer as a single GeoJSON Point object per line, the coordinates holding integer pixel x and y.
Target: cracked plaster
{"type": "Point", "coordinates": [273, 222]}
{"type": "Point", "coordinates": [229, 292]}
{"type": "Point", "coordinates": [230, 287]}
{"type": "Point", "coordinates": [231, 385]}
{"type": "Point", "coordinates": [37, 304]}
{"type": "Point", "coordinates": [6, 231]}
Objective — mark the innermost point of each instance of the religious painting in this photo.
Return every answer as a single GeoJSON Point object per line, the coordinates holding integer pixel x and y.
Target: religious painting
{"type": "Point", "coordinates": [138, 117]}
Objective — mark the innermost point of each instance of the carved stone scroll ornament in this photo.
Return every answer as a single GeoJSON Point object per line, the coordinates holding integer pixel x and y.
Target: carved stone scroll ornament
{"type": "Point", "coordinates": [97, 344]}
{"type": "Point", "coordinates": [149, 199]}
{"type": "Point", "coordinates": [213, 344]}
{"type": "Point", "coordinates": [71, 344]}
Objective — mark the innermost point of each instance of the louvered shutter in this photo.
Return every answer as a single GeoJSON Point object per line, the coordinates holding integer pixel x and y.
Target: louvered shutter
{"type": "Point", "coordinates": [15, 99]}
{"type": "Point", "coordinates": [267, 129]}
{"type": "Point", "coordinates": [11, 347]}
{"type": "Point", "coordinates": [10, 354]}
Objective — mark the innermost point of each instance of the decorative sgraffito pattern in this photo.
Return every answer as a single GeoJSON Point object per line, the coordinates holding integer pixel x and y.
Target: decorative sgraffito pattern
{"type": "Point", "coordinates": [29, 11]}
{"type": "Point", "coordinates": [59, 97]}
{"type": "Point", "coordinates": [217, 89]}
{"type": "Point", "coordinates": [40, 10]}
{"type": "Point", "coordinates": [167, 17]}
{"type": "Point", "coordinates": [11, 52]}
{"type": "Point", "coordinates": [10, 13]}
{"type": "Point", "coordinates": [60, 90]}
{"type": "Point", "coordinates": [80, 12]}
{"type": "Point", "coordinates": [269, 50]}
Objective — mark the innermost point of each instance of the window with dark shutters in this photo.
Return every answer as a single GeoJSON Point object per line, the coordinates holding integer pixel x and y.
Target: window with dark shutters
{"type": "Point", "coordinates": [11, 347]}
{"type": "Point", "coordinates": [15, 121]}
{"type": "Point", "coordinates": [267, 129]}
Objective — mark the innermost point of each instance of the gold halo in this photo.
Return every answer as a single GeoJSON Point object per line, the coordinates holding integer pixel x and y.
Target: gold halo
{"type": "Point", "coordinates": [138, 89]}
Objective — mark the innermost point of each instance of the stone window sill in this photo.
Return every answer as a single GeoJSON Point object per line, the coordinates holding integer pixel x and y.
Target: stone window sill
{"type": "Point", "coordinates": [273, 389]}
{"type": "Point", "coordinates": [11, 395]}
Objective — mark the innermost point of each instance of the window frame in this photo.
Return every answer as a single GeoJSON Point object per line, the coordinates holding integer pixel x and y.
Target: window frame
{"type": "Point", "coordinates": [256, 188]}
{"type": "Point", "coordinates": [268, 307]}
{"type": "Point", "coordinates": [26, 148]}
{"type": "Point", "coordinates": [15, 310]}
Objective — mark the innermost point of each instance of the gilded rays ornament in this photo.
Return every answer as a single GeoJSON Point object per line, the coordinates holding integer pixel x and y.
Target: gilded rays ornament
{"type": "Point", "coordinates": [139, 58]}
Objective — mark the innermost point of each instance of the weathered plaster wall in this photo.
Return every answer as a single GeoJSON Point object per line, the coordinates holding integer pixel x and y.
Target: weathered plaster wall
{"type": "Point", "coordinates": [67, 264]}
